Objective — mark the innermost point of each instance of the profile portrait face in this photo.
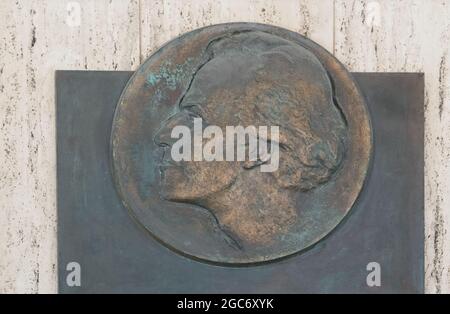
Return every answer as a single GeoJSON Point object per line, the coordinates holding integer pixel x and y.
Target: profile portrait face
{"type": "Point", "coordinates": [293, 117]}
{"type": "Point", "coordinates": [256, 79]}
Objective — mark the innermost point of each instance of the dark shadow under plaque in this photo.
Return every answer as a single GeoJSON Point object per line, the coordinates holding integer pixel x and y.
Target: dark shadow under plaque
{"type": "Point", "coordinates": [117, 255]}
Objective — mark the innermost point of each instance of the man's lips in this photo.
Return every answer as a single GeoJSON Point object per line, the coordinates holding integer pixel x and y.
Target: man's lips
{"type": "Point", "coordinates": [168, 164]}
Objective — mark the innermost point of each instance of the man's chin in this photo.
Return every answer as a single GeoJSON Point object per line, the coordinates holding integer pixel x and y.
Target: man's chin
{"type": "Point", "coordinates": [170, 180]}
{"type": "Point", "coordinates": [168, 194]}
{"type": "Point", "coordinates": [176, 188]}
{"type": "Point", "coordinates": [172, 194]}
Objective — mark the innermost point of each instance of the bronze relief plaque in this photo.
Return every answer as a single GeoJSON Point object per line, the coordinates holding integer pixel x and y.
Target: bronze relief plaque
{"type": "Point", "coordinates": [231, 212]}
{"type": "Point", "coordinates": [115, 253]}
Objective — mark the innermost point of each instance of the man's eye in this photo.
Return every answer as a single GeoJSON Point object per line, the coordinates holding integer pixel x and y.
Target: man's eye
{"type": "Point", "coordinates": [193, 114]}
{"type": "Point", "coordinates": [190, 105]}
{"type": "Point", "coordinates": [192, 111]}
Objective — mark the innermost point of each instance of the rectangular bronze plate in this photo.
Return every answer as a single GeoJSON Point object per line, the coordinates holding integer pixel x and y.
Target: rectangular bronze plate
{"type": "Point", "coordinates": [117, 255]}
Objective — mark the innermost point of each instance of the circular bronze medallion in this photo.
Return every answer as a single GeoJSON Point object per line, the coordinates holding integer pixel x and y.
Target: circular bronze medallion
{"type": "Point", "coordinates": [232, 211]}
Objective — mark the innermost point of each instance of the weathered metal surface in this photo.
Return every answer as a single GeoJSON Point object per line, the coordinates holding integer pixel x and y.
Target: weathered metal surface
{"type": "Point", "coordinates": [95, 230]}
{"type": "Point", "coordinates": [247, 75]}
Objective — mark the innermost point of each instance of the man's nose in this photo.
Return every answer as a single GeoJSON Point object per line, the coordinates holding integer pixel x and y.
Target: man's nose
{"type": "Point", "coordinates": [163, 135]}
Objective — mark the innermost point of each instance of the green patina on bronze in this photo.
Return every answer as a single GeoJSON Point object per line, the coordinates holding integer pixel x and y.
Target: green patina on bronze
{"type": "Point", "coordinates": [171, 75]}
{"type": "Point", "coordinates": [231, 212]}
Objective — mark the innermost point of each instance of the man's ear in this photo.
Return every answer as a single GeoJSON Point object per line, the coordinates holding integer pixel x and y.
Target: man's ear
{"type": "Point", "coordinates": [248, 164]}
{"type": "Point", "coordinates": [252, 164]}
{"type": "Point", "coordinates": [260, 159]}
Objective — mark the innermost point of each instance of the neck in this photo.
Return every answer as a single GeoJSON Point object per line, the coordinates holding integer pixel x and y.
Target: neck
{"type": "Point", "coordinates": [253, 210]}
